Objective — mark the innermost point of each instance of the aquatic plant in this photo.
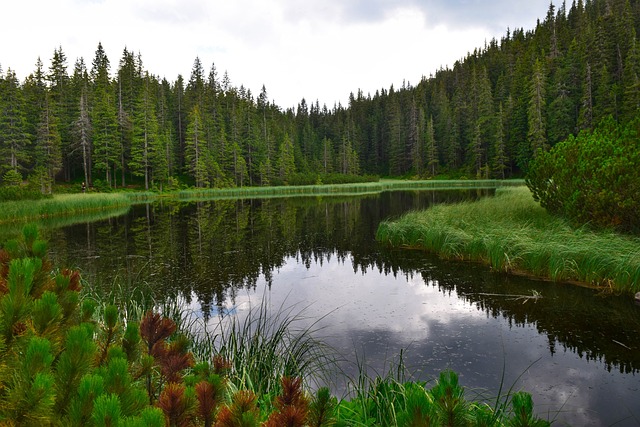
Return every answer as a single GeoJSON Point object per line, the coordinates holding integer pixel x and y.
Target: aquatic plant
{"type": "Point", "coordinates": [60, 205]}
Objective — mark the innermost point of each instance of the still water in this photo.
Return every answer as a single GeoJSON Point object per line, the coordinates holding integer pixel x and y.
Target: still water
{"type": "Point", "coordinates": [574, 349]}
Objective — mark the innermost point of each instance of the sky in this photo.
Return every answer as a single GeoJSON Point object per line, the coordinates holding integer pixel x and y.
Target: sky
{"type": "Point", "coordinates": [317, 50]}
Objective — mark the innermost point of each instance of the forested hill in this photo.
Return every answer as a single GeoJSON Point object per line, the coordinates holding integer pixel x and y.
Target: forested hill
{"type": "Point", "coordinates": [484, 117]}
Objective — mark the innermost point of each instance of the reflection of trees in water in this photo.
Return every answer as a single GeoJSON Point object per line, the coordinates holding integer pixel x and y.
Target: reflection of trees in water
{"type": "Point", "coordinates": [603, 329]}
{"type": "Point", "coordinates": [212, 250]}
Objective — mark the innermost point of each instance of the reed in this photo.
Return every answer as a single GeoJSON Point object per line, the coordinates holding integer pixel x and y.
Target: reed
{"type": "Point", "coordinates": [60, 205]}
{"type": "Point", "coordinates": [338, 189]}
{"type": "Point", "coordinates": [512, 233]}
{"type": "Point", "coordinates": [266, 345]}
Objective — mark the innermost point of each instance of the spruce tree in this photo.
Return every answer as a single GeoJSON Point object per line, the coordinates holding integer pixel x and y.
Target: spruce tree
{"type": "Point", "coordinates": [146, 147]}
{"type": "Point", "coordinates": [286, 160]}
{"type": "Point", "coordinates": [195, 148]}
{"type": "Point", "coordinates": [537, 110]}
{"type": "Point", "coordinates": [106, 145]}
{"type": "Point", "coordinates": [63, 106]}
{"type": "Point", "coordinates": [13, 138]}
{"type": "Point", "coordinates": [48, 147]}
{"type": "Point", "coordinates": [431, 148]}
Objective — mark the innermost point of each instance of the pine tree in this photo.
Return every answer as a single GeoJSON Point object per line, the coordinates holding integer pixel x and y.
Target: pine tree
{"type": "Point", "coordinates": [146, 147]}
{"type": "Point", "coordinates": [13, 138]}
{"type": "Point", "coordinates": [195, 149]}
{"type": "Point", "coordinates": [585, 120]}
{"type": "Point", "coordinates": [537, 113]}
{"type": "Point", "coordinates": [631, 81]}
{"type": "Point", "coordinates": [34, 92]}
{"type": "Point", "coordinates": [416, 137]}
{"type": "Point", "coordinates": [128, 88]}
{"type": "Point", "coordinates": [431, 148]}
{"type": "Point", "coordinates": [82, 140]}
{"type": "Point", "coordinates": [62, 105]}
{"type": "Point", "coordinates": [106, 145]}
{"type": "Point", "coordinates": [397, 155]}
{"type": "Point", "coordinates": [286, 160]}
{"type": "Point", "coordinates": [499, 161]}
{"type": "Point", "coordinates": [48, 154]}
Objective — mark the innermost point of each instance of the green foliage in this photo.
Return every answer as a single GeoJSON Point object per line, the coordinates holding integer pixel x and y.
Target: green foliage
{"type": "Point", "coordinates": [522, 405]}
{"type": "Point", "coordinates": [12, 178]}
{"type": "Point", "coordinates": [593, 178]}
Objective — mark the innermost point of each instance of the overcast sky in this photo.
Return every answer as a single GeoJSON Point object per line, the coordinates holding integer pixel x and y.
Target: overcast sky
{"type": "Point", "coordinates": [297, 48]}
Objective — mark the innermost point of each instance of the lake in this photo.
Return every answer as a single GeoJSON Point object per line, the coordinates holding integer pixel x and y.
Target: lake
{"type": "Point", "coordinates": [574, 349]}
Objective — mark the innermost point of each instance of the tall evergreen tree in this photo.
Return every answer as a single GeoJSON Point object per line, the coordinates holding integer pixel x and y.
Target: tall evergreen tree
{"type": "Point", "coordinates": [286, 160]}
{"type": "Point", "coordinates": [82, 141]}
{"type": "Point", "coordinates": [62, 105]}
{"type": "Point", "coordinates": [107, 149]}
{"type": "Point", "coordinates": [631, 81]}
{"type": "Point", "coordinates": [537, 110]}
{"type": "Point", "coordinates": [146, 146]}
{"type": "Point", "coordinates": [48, 154]}
{"type": "Point", "coordinates": [13, 138]}
{"type": "Point", "coordinates": [499, 161]}
{"type": "Point", "coordinates": [431, 148]}
{"type": "Point", "coordinates": [585, 121]}
{"type": "Point", "coordinates": [196, 148]}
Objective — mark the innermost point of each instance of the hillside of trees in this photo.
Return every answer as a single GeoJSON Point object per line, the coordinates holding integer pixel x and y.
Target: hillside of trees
{"type": "Point", "coordinates": [485, 117]}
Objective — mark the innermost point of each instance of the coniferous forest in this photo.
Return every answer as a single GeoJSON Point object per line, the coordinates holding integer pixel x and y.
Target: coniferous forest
{"type": "Point", "coordinates": [112, 124]}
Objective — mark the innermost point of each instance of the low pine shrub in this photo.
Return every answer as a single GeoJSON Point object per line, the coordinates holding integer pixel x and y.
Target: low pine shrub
{"type": "Point", "coordinates": [593, 178]}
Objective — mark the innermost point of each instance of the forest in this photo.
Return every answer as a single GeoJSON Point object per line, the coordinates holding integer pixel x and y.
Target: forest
{"type": "Point", "coordinates": [487, 116]}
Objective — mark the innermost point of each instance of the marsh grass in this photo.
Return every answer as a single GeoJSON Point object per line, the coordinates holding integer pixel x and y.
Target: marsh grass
{"type": "Point", "coordinates": [264, 345]}
{"type": "Point", "coordinates": [60, 205]}
{"type": "Point", "coordinates": [340, 189]}
{"type": "Point", "coordinates": [512, 233]}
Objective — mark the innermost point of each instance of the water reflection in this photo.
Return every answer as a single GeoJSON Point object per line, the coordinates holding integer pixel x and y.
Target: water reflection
{"type": "Point", "coordinates": [576, 351]}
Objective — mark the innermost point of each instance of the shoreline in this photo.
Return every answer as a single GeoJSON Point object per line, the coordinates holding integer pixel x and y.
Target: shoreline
{"type": "Point", "coordinates": [77, 203]}
{"type": "Point", "coordinates": [512, 234]}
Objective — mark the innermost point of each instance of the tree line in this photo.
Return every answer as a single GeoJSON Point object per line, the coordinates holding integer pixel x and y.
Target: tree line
{"type": "Point", "coordinates": [486, 116]}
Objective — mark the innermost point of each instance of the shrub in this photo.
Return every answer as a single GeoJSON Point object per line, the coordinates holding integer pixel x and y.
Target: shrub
{"type": "Point", "coordinates": [12, 178]}
{"type": "Point", "coordinates": [593, 178]}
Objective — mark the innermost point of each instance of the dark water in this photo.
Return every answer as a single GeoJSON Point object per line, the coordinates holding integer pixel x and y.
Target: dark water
{"type": "Point", "coordinates": [574, 349]}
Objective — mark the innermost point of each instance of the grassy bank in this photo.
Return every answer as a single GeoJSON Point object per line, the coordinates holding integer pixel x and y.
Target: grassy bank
{"type": "Point", "coordinates": [74, 204]}
{"type": "Point", "coordinates": [336, 189]}
{"type": "Point", "coordinates": [60, 205]}
{"type": "Point", "coordinates": [512, 233]}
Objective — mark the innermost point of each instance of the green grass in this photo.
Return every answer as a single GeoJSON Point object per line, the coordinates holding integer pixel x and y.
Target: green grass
{"type": "Point", "coordinates": [266, 345]}
{"type": "Point", "coordinates": [339, 189]}
{"type": "Point", "coordinates": [60, 205]}
{"type": "Point", "coordinates": [20, 212]}
{"type": "Point", "coordinates": [512, 233]}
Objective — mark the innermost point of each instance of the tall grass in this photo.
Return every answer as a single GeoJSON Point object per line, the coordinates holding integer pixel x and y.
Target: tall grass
{"type": "Point", "coordinates": [512, 233]}
{"type": "Point", "coordinates": [341, 189]}
{"type": "Point", "coordinates": [60, 205]}
{"type": "Point", "coordinates": [266, 345]}
{"type": "Point", "coordinates": [262, 344]}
